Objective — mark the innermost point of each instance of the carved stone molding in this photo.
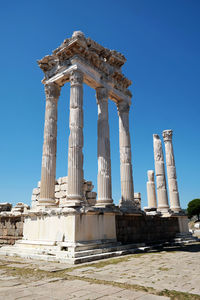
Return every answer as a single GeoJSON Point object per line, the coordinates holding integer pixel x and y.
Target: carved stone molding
{"type": "Point", "coordinates": [76, 78]}
{"type": "Point", "coordinates": [167, 135]}
{"type": "Point", "coordinates": [106, 62]}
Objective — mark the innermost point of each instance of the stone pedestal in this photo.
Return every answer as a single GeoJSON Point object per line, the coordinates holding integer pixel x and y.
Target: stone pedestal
{"type": "Point", "coordinates": [75, 154]}
{"type": "Point", "coordinates": [171, 172]}
{"type": "Point", "coordinates": [151, 192]}
{"type": "Point", "coordinates": [104, 185]}
{"type": "Point", "coordinates": [47, 198]}
{"type": "Point", "coordinates": [163, 205]}
{"type": "Point", "coordinates": [127, 190]}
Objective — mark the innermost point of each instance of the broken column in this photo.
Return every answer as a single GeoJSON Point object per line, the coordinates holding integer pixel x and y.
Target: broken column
{"type": "Point", "coordinates": [127, 190]}
{"type": "Point", "coordinates": [48, 173]}
{"type": "Point", "coordinates": [151, 192]}
{"type": "Point", "coordinates": [171, 172]}
{"type": "Point", "coordinates": [75, 154]}
{"type": "Point", "coordinates": [104, 185]}
{"type": "Point", "coordinates": [163, 205]}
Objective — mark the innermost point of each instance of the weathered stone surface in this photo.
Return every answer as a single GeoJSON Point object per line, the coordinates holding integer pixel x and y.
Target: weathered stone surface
{"type": "Point", "coordinates": [151, 192]}
{"type": "Point", "coordinates": [61, 190]}
{"type": "Point", "coordinates": [5, 206]}
{"type": "Point", "coordinates": [171, 172]}
{"type": "Point", "coordinates": [162, 197]}
{"type": "Point", "coordinates": [104, 162]}
{"type": "Point", "coordinates": [75, 154]}
{"type": "Point", "coordinates": [127, 190]}
{"type": "Point", "coordinates": [48, 172]}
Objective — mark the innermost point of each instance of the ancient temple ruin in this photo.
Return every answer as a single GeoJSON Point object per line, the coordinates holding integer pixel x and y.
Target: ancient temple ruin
{"type": "Point", "coordinates": [68, 221]}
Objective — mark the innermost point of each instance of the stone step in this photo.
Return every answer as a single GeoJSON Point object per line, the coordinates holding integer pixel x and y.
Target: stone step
{"type": "Point", "coordinates": [65, 256]}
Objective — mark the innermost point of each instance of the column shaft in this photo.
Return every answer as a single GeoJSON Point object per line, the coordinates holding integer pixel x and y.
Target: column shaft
{"type": "Point", "coordinates": [127, 190]}
{"type": "Point", "coordinates": [48, 173]}
{"type": "Point", "coordinates": [163, 205]}
{"type": "Point", "coordinates": [75, 154]}
{"type": "Point", "coordinates": [151, 192]}
{"type": "Point", "coordinates": [104, 185]}
{"type": "Point", "coordinates": [171, 172]}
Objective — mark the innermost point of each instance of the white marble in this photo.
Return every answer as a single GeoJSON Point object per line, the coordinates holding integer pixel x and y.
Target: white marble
{"type": "Point", "coordinates": [75, 154]}
{"type": "Point", "coordinates": [171, 172]}
{"type": "Point", "coordinates": [162, 196]}
{"type": "Point", "coordinates": [127, 189]}
{"type": "Point", "coordinates": [151, 192]}
{"type": "Point", "coordinates": [104, 184]}
{"type": "Point", "coordinates": [48, 172]}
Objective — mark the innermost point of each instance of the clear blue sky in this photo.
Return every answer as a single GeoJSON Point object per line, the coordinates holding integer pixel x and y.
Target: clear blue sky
{"type": "Point", "coordinates": [161, 41]}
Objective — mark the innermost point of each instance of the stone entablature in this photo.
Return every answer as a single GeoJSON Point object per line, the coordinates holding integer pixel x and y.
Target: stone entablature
{"type": "Point", "coordinates": [100, 66]}
{"type": "Point", "coordinates": [61, 191]}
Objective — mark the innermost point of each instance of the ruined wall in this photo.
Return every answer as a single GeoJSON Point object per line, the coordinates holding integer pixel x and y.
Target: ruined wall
{"type": "Point", "coordinates": [11, 229]}
{"type": "Point", "coordinates": [11, 222]}
{"type": "Point", "coordinates": [147, 229]}
{"type": "Point", "coordinates": [61, 188]}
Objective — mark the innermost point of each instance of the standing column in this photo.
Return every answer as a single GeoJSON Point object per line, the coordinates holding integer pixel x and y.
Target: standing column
{"type": "Point", "coordinates": [127, 190]}
{"type": "Point", "coordinates": [151, 192]}
{"type": "Point", "coordinates": [48, 173]}
{"type": "Point", "coordinates": [171, 172]}
{"type": "Point", "coordinates": [75, 154]}
{"type": "Point", "coordinates": [163, 205]}
{"type": "Point", "coordinates": [104, 185]}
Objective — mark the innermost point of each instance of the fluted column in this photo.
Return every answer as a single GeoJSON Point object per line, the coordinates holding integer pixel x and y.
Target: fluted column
{"type": "Point", "coordinates": [48, 173]}
{"type": "Point", "coordinates": [151, 192]}
{"type": "Point", "coordinates": [162, 197]}
{"type": "Point", "coordinates": [127, 190]}
{"type": "Point", "coordinates": [171, 172]}
{"type": "Point", "coordinates": [104, 185]}
{"type": "Point", "coordinates": [75, 154]}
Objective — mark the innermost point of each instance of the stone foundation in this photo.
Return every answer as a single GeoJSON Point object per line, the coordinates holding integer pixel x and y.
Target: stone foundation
{"type": "Point", "coordinates": [146, 229]}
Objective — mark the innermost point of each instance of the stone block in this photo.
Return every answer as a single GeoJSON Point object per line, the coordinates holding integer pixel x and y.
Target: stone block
{"type": "Point", "coordinates": [5, 206]}
{"type": "Point", "coordinates": [91, 195]}
{"type": "Point", "coordinates": [34, 198]}
{"type": "Point", "coordinates": [57, 188]}
{"type": "Point", "coordinates": [64, 187]}
{"type": "Point", "coordinates": [159, 168]}
{"type": "Point", "coordinates": [59, 180]}
{"type": "Point", "coordinates": [36, 191]}
{"type": "Point", "coordinates": [64, 179]}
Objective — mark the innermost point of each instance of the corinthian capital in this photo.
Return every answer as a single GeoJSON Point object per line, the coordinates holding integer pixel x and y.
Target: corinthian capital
{"type": "Point", "coordinates": [167, 135]}
{"type": "Point", "coordinates": [101, 94]}
{"type": "Point", "coordinates": [123, 107]}
{"type": "Point", "coordinates": [76, 77]}
{"type": "Point", "coordinates": [52, 90]}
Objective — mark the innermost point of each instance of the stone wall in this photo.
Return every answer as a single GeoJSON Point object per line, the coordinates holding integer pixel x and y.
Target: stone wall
{"type": "Point", "coordinates": [11, 229]}
{"type": "Point", "coordinates": [147, 229]}
{"type": "Point", "coordinates": [11, 222]}
{"type": "Point", "coordinates": [61, 188]}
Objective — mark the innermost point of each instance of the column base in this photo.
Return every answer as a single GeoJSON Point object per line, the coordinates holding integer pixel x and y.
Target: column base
{"type": "Point", "coordinates": [72, 203]}
{"type": "Point", "coordinates": [47, 202]}
{"type": "Point", "coordinates": [176, 209]}
{"type": "Point", "coordinates": [104, 203]}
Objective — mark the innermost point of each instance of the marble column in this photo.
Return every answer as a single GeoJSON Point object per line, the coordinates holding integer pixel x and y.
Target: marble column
{"type": "Point", "coordinates": [127, 190]}
{"type": "Point", "coordinates": [151, 192]}
{"type": "Point", "coordinates": [75, 154]}
{"type": "Point", "coordinates": [104, 184]}
{"type": "Point", "coordinates": [171, 172]}
{"type": "Point", "coordinates": [162, 197]}
{"type": "Point", "coordinates": [48, 173]}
